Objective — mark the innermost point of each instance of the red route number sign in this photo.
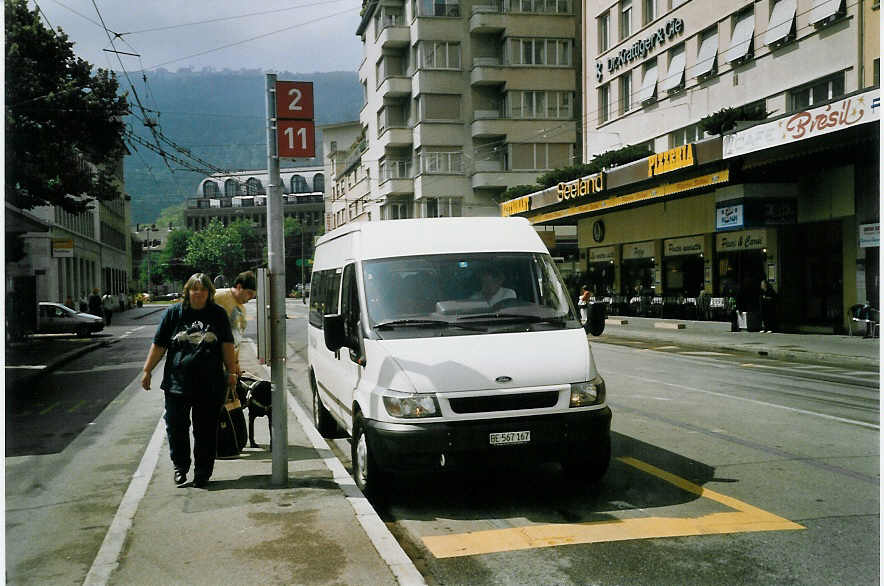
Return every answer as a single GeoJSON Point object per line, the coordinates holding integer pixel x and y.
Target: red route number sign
{"type": "Point", "coordinates": [295, 130]}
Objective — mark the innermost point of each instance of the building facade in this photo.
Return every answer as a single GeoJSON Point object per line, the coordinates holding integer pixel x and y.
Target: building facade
{"type": "Point", "coordinates": [462, 100]}
{"type": "Point", "coordinates": [792, 197]}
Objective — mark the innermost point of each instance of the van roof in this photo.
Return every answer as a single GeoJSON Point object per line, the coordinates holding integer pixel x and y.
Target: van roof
{"type": "Point", "coordinates": [391, 238]}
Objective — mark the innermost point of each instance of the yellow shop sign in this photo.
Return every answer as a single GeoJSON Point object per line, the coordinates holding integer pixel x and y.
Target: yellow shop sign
{"type": "Point", "coordinates": [677, 158]}
{"type": "Point", "coordinates": [580, 187]}
{"type": "Point", "coordinates": [515, 206]}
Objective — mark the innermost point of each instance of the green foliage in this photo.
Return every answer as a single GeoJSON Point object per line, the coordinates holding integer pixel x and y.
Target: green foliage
{"type": "Point", "coordinates": [520, 190]}
{"type": "Point", "coordinates": [605, 160]}
{"type": "Point", "coordinates": [60, 116]}
{"type": "Point", "coordinates": [227, 250]}
{"type": "Point", "coordinates": [727, 119]}
{"type": "Point", "coordinates": [171, 263]}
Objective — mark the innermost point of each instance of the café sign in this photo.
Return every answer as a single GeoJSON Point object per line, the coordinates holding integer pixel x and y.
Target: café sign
{"type": "Point", "coordinates": [683, 246]}
{"type": "Point", "coordinates": [853, 111]}
{"type": "Point", "coordinates": [745, 240]}
{"type": "Point", "coordinates": [638, 250]}
{"type": "Point", "coordinates": [603, 254]}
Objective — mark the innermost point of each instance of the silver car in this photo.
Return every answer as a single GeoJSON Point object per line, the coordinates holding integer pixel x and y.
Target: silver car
{"type": "Point", "coordinates": [55, 318]}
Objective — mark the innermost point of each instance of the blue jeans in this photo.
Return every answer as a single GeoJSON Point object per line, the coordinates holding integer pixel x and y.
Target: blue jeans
{"type": "Point", "coordinates": [205, 408]}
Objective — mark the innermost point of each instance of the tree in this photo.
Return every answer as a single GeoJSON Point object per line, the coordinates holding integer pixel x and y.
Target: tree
{"type": "Point", "coordinates": [64, 121]}
{"type": "Point", "coordinates": [171, 263]}
{"type": "Point", "coordinates": [226, 250]}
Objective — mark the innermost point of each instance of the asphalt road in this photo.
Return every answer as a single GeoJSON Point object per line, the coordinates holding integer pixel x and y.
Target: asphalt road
{"type": "Point", "coordinates": [727, 469]}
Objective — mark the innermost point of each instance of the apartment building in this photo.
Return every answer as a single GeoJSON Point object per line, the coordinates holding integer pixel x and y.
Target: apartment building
{"type": "Point", "coordinates": [792, 196]}
{"type": "Point", "coordinates": [462, 100]}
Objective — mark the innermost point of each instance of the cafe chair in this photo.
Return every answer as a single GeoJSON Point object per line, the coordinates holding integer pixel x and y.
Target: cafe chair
{"type": "Point", "coordinates": [867, 315]}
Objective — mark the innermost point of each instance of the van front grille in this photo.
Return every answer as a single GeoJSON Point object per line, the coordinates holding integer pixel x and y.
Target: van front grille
{"type": "Point", "coordinates": [504, 402]}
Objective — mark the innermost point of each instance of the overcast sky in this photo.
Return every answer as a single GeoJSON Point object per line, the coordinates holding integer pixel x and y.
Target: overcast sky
{"type": "Point", "coordinates": [301, 36]}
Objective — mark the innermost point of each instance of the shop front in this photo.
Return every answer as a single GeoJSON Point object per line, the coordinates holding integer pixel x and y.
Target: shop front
{"type": "Point", "coordinates": [600, 271]}
{"type": "Point", "coordinates": [745, 257]}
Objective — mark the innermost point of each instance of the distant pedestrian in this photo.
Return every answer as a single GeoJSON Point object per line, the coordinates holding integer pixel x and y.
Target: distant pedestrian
{"type": "Point", "coordinates": [84, 303]}
{"type": "Point", "coordinates": [768, 304]}
{"type": "Point", "coordinates": [95, 303]}
{"type": "Point", "coordinates": [69, 303]}
{"type": "Point", "coordinates": [583, 303]}
{"type": "Point", "coordinates": [109, 304]}
{"type": "Point", "coordinates": [197, 335]}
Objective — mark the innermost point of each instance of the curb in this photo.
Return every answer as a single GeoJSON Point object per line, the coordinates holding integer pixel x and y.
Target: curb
{"type": "Point", "coordinates": [61, 361]}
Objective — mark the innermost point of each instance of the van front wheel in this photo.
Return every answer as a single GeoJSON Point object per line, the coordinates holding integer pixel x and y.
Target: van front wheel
{"type": "Point", "coordinates": [370, 479]}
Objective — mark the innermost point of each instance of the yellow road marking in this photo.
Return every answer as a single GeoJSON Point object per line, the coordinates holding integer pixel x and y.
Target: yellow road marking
{"type": "Point", "coordinates": [745, 518]}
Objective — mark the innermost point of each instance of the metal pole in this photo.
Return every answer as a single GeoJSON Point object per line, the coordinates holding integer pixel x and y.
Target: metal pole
{"type": "Point", "coordinates": [276, 262]}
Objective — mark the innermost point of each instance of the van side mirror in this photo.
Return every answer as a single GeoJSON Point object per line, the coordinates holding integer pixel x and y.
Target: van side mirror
{"type": "Point", "coordinates": [595, 325]}
{"type": "Point", "coordinates": [333, 331]}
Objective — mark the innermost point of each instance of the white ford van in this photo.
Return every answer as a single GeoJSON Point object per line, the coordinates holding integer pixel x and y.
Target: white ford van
{"type": "Point", "coordinates": [448, 342]}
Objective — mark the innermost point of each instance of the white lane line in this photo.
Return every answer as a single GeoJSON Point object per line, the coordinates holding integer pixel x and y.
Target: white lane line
{"type": "Point", "coordinates": [705, 353]}
{"type": "Point", "coordinates": [108, 555]}
{"type": "Point", "coordinates": [389, 549]}
{"type": "Point", "coordinates": [756, 401]}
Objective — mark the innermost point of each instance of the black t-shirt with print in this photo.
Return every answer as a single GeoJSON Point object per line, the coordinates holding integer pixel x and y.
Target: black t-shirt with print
{"type": "Point", "coordinates": [193, 339]}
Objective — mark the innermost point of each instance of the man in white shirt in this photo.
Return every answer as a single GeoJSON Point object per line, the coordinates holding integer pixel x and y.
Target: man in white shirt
{"type": "Point", "coordinates": [491, 291]}
{"type": "Point", "coordinates": [233, 300]}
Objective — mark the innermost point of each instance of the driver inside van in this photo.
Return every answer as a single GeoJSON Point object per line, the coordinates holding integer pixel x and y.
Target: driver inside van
{"type": "Point", "coordinates": [491, 290]}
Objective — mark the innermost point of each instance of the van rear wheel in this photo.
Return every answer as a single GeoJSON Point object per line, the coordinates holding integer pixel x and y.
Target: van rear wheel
{"type": "Point", "coordinates": [370, 479]}
{"type": "Point", "coordinates": [322, 419]}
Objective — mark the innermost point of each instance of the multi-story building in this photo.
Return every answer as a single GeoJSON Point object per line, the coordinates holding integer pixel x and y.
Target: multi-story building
{"type": "Point", "coordinates": [243, 195]}
{"type": "Point", "coordinates": [462, 100]}
{"type": "Point", "coordinates": [792, 198]}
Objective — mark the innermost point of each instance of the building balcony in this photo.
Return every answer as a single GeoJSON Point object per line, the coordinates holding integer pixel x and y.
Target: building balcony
{"type": "Point", "coordinates": [429, 81]}
{"type": "Point", "coordinates": [490, 20]}
{"type": "Point", "coordinates": [395, 136]}
{"type": "Point", "coordinates": [490, 71]}
{"type": "Point", "coordinates": [394, 37]}
{"type": "Point", "coordinates": [432, 185]}
{"type": "Point", "coordinates": [438, 133]}
{"type": "Point", "coordinates": [395, 86]}
{"type": "Point", "coordinates": [396, 186]}
{"type": "Point", "coordinates": [538, 129]}
{"type": "Point", "coordinates": [487, 19]}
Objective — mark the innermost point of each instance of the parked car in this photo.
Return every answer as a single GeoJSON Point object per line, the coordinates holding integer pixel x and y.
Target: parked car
{"type": "Point", "coordinates": [55, 318]}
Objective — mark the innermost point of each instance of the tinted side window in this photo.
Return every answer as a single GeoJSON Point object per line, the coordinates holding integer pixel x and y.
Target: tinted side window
{"type": "Point", "coordinates": [324, 295]}
{"type": "Point", "coordinates": [317, 285]}
{"type": "Point", "coordinates": [350, 303]}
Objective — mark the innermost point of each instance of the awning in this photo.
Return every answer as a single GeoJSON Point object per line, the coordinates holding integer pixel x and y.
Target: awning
{"type": "Point", "coordinates": [706, 56]}
{"type": "Point", "coordinates": [781, 19]}
{"type": "Point", "coordinates": [741, 40]}
{"type": "Point", "coordinates": [823, 9]}
{"type": "Point", "coordinates": [649, 84]}
{"type": "Point", "coordinates": [675, 74]}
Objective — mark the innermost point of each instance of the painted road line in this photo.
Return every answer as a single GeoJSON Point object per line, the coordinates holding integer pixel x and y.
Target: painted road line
{"type": "Point", "coordinates": [665, 348]}
{"type": "Point", "coordinates": [102, 368]}
{"type": "Point", "coordinates": [743, 519]}
{"type": "Point", "coordinates": [705, 353]}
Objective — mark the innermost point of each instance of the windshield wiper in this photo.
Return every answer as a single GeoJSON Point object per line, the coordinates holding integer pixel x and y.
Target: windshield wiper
{"type": "Point", "coordinates": [559, 320]}
{"type": "Point", "coordinates": [424, 322]}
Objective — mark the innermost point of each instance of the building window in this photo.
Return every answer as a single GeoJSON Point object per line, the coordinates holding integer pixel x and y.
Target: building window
{"type": "Point", "coordinates": [442, 162]}
{"type": "Point", "coordinates": [394, 169]}
{"type": "Point", "coordinates": [781, 27]}
{"type": "Point", "coordinates": [539, 6]}
{"type": "Point", "coordinates": [816, 93]}
{"type": "Point", "coordinates": [299, 184]}
{"type": "Point", "coordinates": [742, 37]}
{"type": "Point", "coordinates": [707, 54]}
{"type": "Point", "coordinates": [230, 188]}
{"type": "Point", "coordinates": [604, 102]}
{"type": "Point", "coordinates": [825, 12]}
{"type": "Point", "coordinates": [391, 65]}
{"type": "Point", "coordinates": [674, 80]}
{"type": "Point", "coordinates": [676, 3]}
{"type": "Point", "coordinates": [540, 104]}
{"type": "Point", "coordinates": [539, 156]}
{"type": "Point", "coordinates": [254, 187]}
{"type": "Point", "coordinates": [439, 107]}
{"type": "Point", "coordinates": [604, 35]}
{"type": "Point", "coordinates": [625, 18]}
{"type": "Point", "coordinates": [625, 92]}
{"type": "Point", "coordinates": [439, 8]}
{"type": "Point", "coordinates": [387, 16]}
{"type": "Point", "coordinates": [876, 71]}
{"type": "Point", "coordinates": [441, 207]}
{"type": "Point", "coordinates": [685, 135]}
{"type": "Point", "coordinates": [540, 52]}
{"type": "Point", "coordinates": [319, 182]}
{"type": "Point", "coordinates": [648, 91]}
{"type": "Point", "coordinates": [210, 189]}
{"type": "Point", "coordinates": [649, 11]}
{"type": "Point", "coordinates": [439, 55]}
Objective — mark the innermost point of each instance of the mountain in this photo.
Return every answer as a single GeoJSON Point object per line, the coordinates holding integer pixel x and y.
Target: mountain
{"type": "Point", "coordinates": [219, 116]}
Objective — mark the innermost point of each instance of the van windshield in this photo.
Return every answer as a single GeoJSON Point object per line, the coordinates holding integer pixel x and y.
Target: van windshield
{"type": "Point", "coordinates": [464, 294]}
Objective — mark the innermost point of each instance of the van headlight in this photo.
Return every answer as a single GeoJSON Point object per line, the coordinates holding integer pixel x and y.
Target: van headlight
{"type": "Point", "coordinates": [588, 393]}
{"type": "Point", "coordinates": [410, 405]}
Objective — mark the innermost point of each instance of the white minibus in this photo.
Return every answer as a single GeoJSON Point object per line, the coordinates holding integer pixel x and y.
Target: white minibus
{"type": "Point", "coordinates": [451, 342]}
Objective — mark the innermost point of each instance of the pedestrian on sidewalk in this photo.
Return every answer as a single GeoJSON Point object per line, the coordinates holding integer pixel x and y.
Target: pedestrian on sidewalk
{"type": "Point", "coordinates": [233, 300]}
{"type": "Point", "coordinates": [768, 304]}
{"type": "Point", "coordinates": [95, 303]}
{"type": "Point", "coordinates": [583, 303]}
{"type": "Point", "coordinates": [109, 305]}
{"type": "Point", "coordinates": [199, 340]}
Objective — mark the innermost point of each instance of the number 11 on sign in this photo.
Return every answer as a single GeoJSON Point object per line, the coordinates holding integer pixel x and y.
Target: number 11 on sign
{"type": "Point", "coordinates": [296, 139]}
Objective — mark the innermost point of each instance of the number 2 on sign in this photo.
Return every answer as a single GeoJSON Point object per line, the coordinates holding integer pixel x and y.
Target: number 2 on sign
{"type": "Point", "coordinates": [293, 105]}
{"type": "Point", "coordinates": [301, 132]}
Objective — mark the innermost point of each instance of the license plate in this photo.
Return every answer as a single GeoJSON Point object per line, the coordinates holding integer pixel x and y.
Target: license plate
{"type": "Point", "coordinates": [509, 437]}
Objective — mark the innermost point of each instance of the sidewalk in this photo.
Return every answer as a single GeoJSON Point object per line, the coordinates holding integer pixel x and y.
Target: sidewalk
{"type": "Point", "coordinates": [828, 349]}
{"type": "Point", "coordinates": [242, 529]}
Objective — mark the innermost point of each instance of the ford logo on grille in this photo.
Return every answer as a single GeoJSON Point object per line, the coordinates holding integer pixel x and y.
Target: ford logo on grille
{"type": "Point", "coordinates": [503, 379]}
